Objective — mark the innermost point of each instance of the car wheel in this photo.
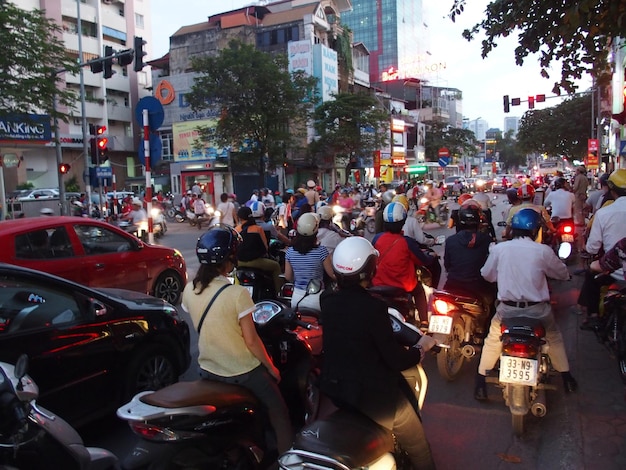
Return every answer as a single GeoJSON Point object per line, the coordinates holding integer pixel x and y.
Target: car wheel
{"type": "Point", "coordinates": [151, 368]}
{"type": "Point", "coordinates": [169, 287]}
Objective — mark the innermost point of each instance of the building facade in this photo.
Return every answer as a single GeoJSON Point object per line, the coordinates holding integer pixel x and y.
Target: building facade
{"type": "Point", "coordinates": [109, 102]}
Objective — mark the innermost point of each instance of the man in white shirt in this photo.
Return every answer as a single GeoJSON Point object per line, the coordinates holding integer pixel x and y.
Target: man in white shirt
{"type": "Point", "coordinates": [561, 201]}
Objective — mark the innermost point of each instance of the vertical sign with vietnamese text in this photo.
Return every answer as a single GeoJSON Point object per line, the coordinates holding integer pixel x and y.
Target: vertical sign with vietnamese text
{"type": "Point", "coordinates": [592, 162]}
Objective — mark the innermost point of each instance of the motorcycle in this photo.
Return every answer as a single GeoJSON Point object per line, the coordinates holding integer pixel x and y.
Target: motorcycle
{"type": "Point", "coordinates": [457, 321]}
{"type": "Point", "coordinates": [366, 220]}
{"type": "Point", "coordinates": [524, 374]}
{"type": "Point", "coordinates": [426, 214]}
{"type": "Point", "coordinates": [209, 424]}
{"type": "Point", "coordinates": [611, 332]}
{"type": "Point", "coordinates": [35, 438]}
{"type": "Point", "coordinates": [346, 439]}
{"type": "Point", "coordinates": [260, 283]}
{"type": "Point", "coordinates": [210, 215]}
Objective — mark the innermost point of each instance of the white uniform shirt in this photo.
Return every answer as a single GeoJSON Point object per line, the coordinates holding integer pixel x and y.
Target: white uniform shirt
{"type": "Point", "coordinates": [608, 227]}
{"type": "Point", "coordinates": [411, 228]}
{"type": "Point", "coordinates": [520, 267]}
{"type": "Point", "coordinates": [562, 202]}
{"type": "Point", "coordinates": [483, 200]}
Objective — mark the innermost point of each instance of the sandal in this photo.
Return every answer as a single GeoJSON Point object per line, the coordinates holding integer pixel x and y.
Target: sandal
{"type": "Point", "coordinates": [590, 324]}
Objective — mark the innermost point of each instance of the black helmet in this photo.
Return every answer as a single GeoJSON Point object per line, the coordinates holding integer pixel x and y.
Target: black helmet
{"type": "Point", "coordinates": [511, 194]}
{"type": "Point", "coordinates": [559, 183]}
{"type": "Point", "coordinates": [217, 244]}
{"type": "Point", "coordinates": [469, 217]}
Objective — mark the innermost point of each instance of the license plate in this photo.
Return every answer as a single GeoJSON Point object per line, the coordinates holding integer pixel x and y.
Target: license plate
{"type": "Point", "coordinates": [518, 370]}
{"type": "Point", "coordinates": [440, 324]}
{"type": "Point", "coordinates": [566, 237]}
{"type": "Point", "coordinates": [250, 289]}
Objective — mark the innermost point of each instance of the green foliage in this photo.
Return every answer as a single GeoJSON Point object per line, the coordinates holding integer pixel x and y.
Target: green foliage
{"type": "Point", "coordinates": [27, 185]}
{"type": "Point", "coordinates": [458, 141]}
{"type": "Point", "coordinates": [352, 123]}
{"type": "Point", "coordinates": [254, 98]}
{"type": "Point", "coordinates": [32, 53]}
{"type": "Point", "coordinates": [560, 130]}
{"type": "Point", "coordinates": [574, 32]}
{"type": "Point", "coordinates": [509, 152]}
{"type": "Point", "coordinates": [72, 186]}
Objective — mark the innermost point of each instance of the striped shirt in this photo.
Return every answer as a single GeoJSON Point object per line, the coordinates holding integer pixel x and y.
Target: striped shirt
{"type": "Point", "coordinates": [308, 266]}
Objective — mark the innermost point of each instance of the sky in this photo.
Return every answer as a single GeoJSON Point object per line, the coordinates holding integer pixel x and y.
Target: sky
{"type": "Point", "coordinates": [483, 82]}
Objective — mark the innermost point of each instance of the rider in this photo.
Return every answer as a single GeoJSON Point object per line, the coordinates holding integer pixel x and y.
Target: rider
{"type": "Point", "coordinates": [253, 250]}
{"type": "Point", "coordinates": [434, 195]}
{"type": "Point", "coordinates": [137, 214]}
{"type": "Point", "coordinates": [526, 194]}
{"type": "Point", "coordinates": [400, 257]}
{"type": "Point", "coordinates": [465, 254]}
{"type": "Point", "coordinates": [327, 233]}
{"type": "Point", "coordinates": [562, 202]}
{"type": "Point", "coordinates": [229, 347]}
{"type": "Point", "coordinates": [521, 268]}
{"type": "Point", "coordinates": [485, 205]}
{"type": "Point", "coordinates": [363, 363]}
{"type": "Point", "coordinates": [306, 259]}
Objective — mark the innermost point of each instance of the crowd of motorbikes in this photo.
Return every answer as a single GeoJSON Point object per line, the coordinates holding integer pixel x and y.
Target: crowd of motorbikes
{"type": "Point", "coordinates": [205, 424]}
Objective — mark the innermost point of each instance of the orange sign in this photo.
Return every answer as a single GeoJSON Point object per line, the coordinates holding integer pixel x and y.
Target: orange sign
{"type": "Point", "coordinates": [164, 92]}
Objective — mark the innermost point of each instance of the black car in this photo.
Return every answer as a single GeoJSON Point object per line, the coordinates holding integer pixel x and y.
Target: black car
{"type": "Point", "coordinates": [90, 350]}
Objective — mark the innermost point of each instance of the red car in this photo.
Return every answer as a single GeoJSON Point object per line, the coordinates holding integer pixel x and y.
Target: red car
{"type": "Point", "coordinates": [93, 253]}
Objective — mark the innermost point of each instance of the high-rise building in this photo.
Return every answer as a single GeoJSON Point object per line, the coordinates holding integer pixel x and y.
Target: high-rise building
{"type": "Point", "coordinates": [511, 123]}
{"type": "Point", "coordinates": [109, 102]}
{"type": "Point", "coordinates": [394, 32]}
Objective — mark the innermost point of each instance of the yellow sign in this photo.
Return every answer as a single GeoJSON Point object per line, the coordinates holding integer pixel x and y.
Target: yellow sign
{"type": "Point", "coordinates": [386, 174]}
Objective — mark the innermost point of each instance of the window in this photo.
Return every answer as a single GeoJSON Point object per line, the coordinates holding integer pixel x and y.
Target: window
{"type": "Point", "coordinates": [98, 240]}
{"type": "Point", "coordinates": [139, 20]}
{"type": "Point", "coordinates": [44, 244]}
{"type": "Point", "coordinates": [27, 306]}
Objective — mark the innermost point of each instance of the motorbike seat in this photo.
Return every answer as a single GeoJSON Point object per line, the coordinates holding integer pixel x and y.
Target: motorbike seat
{"type": "Point", "coordinates": [200, 392]}
{"type": "Point", "coordinates": [349, 437]}
{"type": "Point", "coordinates": [523, 326]}
{"type": "Point", "coordinates": [388, 291]}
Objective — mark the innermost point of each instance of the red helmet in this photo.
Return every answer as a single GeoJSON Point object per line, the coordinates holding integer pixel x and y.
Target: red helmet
{"type": "Point", "coordinates": [526, 192]}
{"type": "Point", "coordinates": [464, 198]}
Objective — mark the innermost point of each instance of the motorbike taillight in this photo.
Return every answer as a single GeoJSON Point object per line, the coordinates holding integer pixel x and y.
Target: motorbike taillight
{"type": "Point", "coordinates": [286, 290]}
{"type": "Point", "coordinates": [152, 432]}
{"type": "Point", "coordinates": [520, 348]}
{"type": "Point", "coordinates": [442, 307]}
{"type": "Point", "coordinates": [567, 228]}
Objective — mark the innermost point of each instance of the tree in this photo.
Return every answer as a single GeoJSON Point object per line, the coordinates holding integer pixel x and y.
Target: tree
{"type": "Point", "coordinates": [32, 55]}
{"type": "Point", "coordinates": [350, 125]}
{"type": "Point", "coordinates": [560, 130]}
{"type": "Point", "coordinates": [509, 153]}
{"type": "Point", "coordinates": [576, 33]}
{"type": "Point", "coordinates": [458, 141]}
{"type": "Point", "coordinates": [258, 104]}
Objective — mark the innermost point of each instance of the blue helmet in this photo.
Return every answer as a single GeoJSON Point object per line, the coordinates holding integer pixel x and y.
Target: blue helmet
{"type": "Point", "coordinates": [394, 212]}
{"type": "Point", "coordinates": [526, 219]}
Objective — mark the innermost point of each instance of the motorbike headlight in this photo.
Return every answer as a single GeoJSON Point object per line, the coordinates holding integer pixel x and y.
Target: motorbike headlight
{"type": "Point", "coordinates": [337, 208]}
{"type": "Point", "coordinates": [217, 214]}
{"type": "Point", "coordinates": [155, 212]}
{"type": "Point", "coordinates": [424, 200]}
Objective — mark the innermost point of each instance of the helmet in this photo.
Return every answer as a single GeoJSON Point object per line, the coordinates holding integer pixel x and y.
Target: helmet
{"type": "Point", "coordinates": [525, 192]}
{"type": "Point", "coordinates": [526, 219]}
{"type": "Point", "coordinates": [325, 212]}
{"type": "Point", "coordinates": [388, 196]}
{"type": "Point", "coordinates": [464, 198]}
{"type": "Point", "coordinates": [218, 244]}
{"type": "Point", "coordinates": [258, 209]}
{"type": "Point", "coordinates": [78, 204]}
{"type": "Point", "coordinates": [354, 259]}
{"type": "Point", "coordinates": [617, 180]}
{"type": "Point", "coordinates": [307, 224]}
{"type": "Point", "coordinates": [137, 202]}
{"type": "Point", "coordinates": [402, 199]}
{"type": "Point", "coordinates": [559, 183]}
{"type": "Point", "coordinates": [469, 217]}
{"type": "Point", "coordinates": [394, 212]}
{"type": "Point", "coordinates": [310, 184]}
{"type": "Point", "coordinates": [511, 193]}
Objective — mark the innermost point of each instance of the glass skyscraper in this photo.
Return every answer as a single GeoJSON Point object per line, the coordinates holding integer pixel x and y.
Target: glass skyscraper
{"type": "Point", "coordinates": [394, 32]}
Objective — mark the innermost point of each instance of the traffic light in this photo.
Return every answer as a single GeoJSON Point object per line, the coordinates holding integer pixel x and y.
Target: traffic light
{"type": "Point", "coordinates": [108, 62]}
{"type": "Point", "coordinates": [96, 67]}
{"type": "Point", "coordinates": [126, 58]}
{"type": "Point", "coordinates": [507, 104]}
{"type": "Point", "coordinates": [540, 98]}
{"type": "Point", "coordinates": [64, 168]}
{"type": "Point", "coordinates": [139, 54]}
{"type": "Point", "coordinates": [531, 102]}
{"type": "Point", "coordinates": [102, 144]}
{"type": "Point", "coordinates": [516, 101]}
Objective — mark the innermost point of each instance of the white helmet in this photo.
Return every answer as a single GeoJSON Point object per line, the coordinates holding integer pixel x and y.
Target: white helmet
{"type": "Point", "coordinates": [354, 260]}
{"type": "Point", "coordinates": [310, 184]}
{"type": "Point", "coordinates": [307, 224]}
{"type": "Point", "coordinates": [325, 212]}
{"type": "Point", "coordinates": [258, 209]}
{"type": "Point", "coordinates": [319, 204]}
{"type": "Point", "coordinates": [394, 212]}
{"type": "Point", "coordinates": [388, 196]}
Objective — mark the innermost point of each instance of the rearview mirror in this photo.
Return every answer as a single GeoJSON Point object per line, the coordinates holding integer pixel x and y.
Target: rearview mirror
{"type": "Point", "coordinates": [313, 287]}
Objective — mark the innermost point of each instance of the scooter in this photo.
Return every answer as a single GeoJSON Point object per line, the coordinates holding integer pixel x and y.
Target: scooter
{"type": "Point", "coordinates": [34, 438]}
{"type": "Point", "coordinates": [346, 439]}
{"type": "Point", "coordinates": [564, 240]}
{"type": "Point", "coordinates": [209, 424]}
{"type": "Point", "coordinates": [457, 320]}
{"type": "Point", "coordinates": [524, 373]}
{"type": "Point", "coordinates": [611, 332]}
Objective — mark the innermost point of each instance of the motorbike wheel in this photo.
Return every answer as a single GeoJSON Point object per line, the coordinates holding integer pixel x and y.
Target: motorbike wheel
{"type": "Point", "coordinates": [621, 352]}
{"type": "Point", "coordinates": [170, 213]}
{"type": "Point", "coordinates": [518, 424]}
{"type": "Point", "coordinates": [311, 398]}
{"type": "Point", "coordinates": [371, 226]}
{"type": "Point", "coordinates": [450, 360]}
{"type": "Point", "coordinates": [169, 287]}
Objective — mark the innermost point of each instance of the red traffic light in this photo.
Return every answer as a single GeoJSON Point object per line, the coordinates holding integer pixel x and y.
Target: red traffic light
{"type": "Point", "coordinates": [101, 130]}
{"type": "Point", "coordinates": [64, 168]}
{"type": "Point", "coordinates": [102, 143]}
